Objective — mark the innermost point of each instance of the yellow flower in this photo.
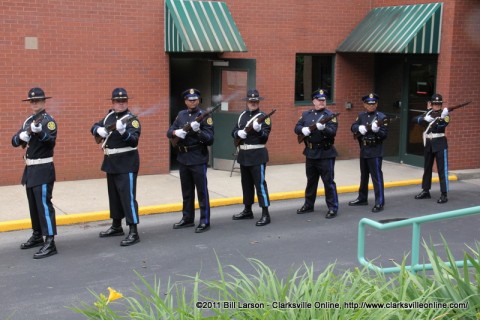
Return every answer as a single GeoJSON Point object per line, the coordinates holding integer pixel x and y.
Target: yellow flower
{"type": "Point", "coordinates": [114, 295]}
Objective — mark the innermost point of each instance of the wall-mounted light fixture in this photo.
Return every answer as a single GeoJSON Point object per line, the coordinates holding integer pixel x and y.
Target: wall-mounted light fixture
{"type": "Point", "coordinates": [348, 105]}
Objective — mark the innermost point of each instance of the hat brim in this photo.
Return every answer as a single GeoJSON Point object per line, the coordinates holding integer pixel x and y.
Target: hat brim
{"type": "Point", "coordinates": [253, 99]}
{"type": "Point", "coordinates": [123, 98]}
{"type": "Point", "coordinates": [32, 99]}
{"type": "Point", "coordinates": [192, 98]}
{"type": "Point", "coordinates": [370, 102]}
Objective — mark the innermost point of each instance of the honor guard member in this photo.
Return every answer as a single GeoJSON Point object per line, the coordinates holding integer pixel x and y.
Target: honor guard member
{"type": "Point", "coordinates": [38, 135]}
{"type": "Point", "coordinates": [253, 158]}
{"type": "Point", "coordinates": [119, 133]}
{"type": "Point", "coordinates": [372, 130]}
{"type": "Point", "coordinates": [193, 159]}
{"type": "Point", "coordinates": [320, 154]}
{"type": "Point", "coordinates": [435, 121]}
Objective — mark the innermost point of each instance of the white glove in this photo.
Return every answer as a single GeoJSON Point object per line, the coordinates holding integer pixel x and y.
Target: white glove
{"type": "Point", "coordinates": [121, 127]}
{"type": "Point", "coordinates": [180, 133]}
{"type": "Point", "coordinates": [362, 129]}
{"type": "Point", "coordinates": [24, 136]}
{"type": "Point", "coordinates": [242, 134]}
{"type": "Point", "coordinates": [35, 128]}
{"type": "Point", "coordinates": [428, 118]}
{"type": "Point", "coordinates": [444, 112]}
{"type": "Point", "coordinates": [102, 132]}
{"type": "Point", "coordinates": [256, 126]}
{"type": "Point", "coordinates": [375, 126]}
{"type": "Point", "coordinates": [195, 126]}
{"type": "Point", "coordinates": [320, 126]}
{"type": "Point", "coordinates": [306, 131]}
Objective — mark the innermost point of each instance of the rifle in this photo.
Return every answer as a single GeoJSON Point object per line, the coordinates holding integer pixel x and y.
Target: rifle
{"type": "Point", "coordinates": [384, 122]}
{"type": "Point", "coordinates": [188, 126]}
{"type": "Point", "coordinates": [37, 118]}
{"type": "Point", "coordinates": [313, 127]}
{"type": "Point", "coordinates": [113, 126]}
{"type": "Point", "coordinates": [249, 128]}
{"type": "Point", "coordinates": [437, 113]}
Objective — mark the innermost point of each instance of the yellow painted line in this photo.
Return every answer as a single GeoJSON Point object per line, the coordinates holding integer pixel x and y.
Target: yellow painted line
{"type": "Point", "coordinates": [174, 207]}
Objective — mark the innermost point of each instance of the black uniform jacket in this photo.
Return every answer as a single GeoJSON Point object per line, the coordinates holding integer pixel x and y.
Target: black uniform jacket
{"type": "Point", "coordinates": [196, 141]}
{"type": "Point", "coordinates": [371, 144]}
{"type": "Point", "coordinates": [319, 144]}
{"type": "Point", "coordinates": [121, 162]}
{"type": "Point", "coordinates": [439, 126]}
{"type": "Point", "coordinates": [40, 146]}
{"type": "Point", "coordinates": [253, 157]}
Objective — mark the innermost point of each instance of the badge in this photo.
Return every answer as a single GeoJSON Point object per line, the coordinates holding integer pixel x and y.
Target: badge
{"type": "Point", "coordinates": [135, 124]}
{"type": "Point", "coordinates": [209, 121]}
{"type": "Point", "coordinates": [51, 126]}
{"type": "Point", "coordinates": [267, 121]}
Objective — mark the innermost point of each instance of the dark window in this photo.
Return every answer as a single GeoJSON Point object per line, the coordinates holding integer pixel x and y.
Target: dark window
{"type": "Point", "coordinates": [311, 73]}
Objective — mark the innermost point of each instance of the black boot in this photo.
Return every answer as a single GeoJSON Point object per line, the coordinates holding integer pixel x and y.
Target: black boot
{"type": "Point", "coordinates": [265, 219]}
{"type": "Point", "coordinates": [35, 240]}
{"type": "Point", "coordinates": [115, 230]}
{"type": "Point", "coordinates": [245, 214]}
{"type": "Point", "coordinates": [47, 250]}
{"type": "Point", "coordinates": [443, 198]}
{"type": "Point", "coordinates": [132, 237]}
{"type": "Point", "coordinates": [425, 194]}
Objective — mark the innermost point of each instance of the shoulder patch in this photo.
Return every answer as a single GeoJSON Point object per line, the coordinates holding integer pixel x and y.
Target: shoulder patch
{"type": "Point", "coordinates": [334, 120]}
{"type": "Point", "coordinates": [135, 124]}
{"type": "Point", "coordinates": [51, 125]}
{"type": "Point", "coordinates": [267, 121]}
{"type": "Point", "coordinates": [447, 118]}
{"type": "Point", "coordinates": [210, 121]}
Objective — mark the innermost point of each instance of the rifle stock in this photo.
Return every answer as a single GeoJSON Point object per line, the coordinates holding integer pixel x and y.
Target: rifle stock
{"type": "Point", "coordinates": [36, 119]}
{"type": "Point", "coordinates": [313, 127]}
{"type": "Point", "coordinates": [249, 128]}
{"type": "Point", "coordinates": [188, 126]}
{"type": "Point", "coordinates": [113, 126]}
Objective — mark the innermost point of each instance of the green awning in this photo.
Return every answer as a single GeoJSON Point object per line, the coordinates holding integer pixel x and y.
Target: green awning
{"type": "Point", "coordinates": [398, 29]}
{"type": "Point", "coordinates": [200, 26]}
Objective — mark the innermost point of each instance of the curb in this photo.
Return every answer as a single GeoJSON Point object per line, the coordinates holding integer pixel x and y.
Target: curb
{"type": "Point", "coordinates": [79, 218]}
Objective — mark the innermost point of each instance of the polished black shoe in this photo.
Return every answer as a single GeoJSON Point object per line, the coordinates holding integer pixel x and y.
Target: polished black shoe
{"type": "Point", "coordinates": [183, 224]}
{"type": "Point", "coordinates": [358, 202]}
{"type": "Point", "coordinates": [304, 209]}
{"type": "Point", "coordinates": [330, 214]}
{"type": "Point", "coordinates": [264, 220]}
{"type": "Point", "coordinates": [245, 214]}
{"type": "Point", "coordinates": [132, 237]}
{"type": "Point", "coordinates": [425, 194]}
{"type": "Point", "coordinates": [443, 198]}
{"type": "Point", "coordinates": [47, 250]}
{"type": "Point", "coordinates": [35, 240]}
{"type": "Point", "coordinates": [202, 227]}
{"type": "Point", "coordinates": [377, 208]}
{"type": "Point", "coordinates": [112, 232]}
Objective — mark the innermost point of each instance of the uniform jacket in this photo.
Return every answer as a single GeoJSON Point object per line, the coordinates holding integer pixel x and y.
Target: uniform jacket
{"type": "Point", "coordinates": [125, 162]}
{"type": "Point", "coordinates": [319, 144]}
{"type": "Point", "coordinates": [436, 144]}
{"type": "Point", "coordinates": [199, 140]}
{"type": "Point", "coordinates": [253, 157]}
{"type": "Point", "coordinates": [371, 144]}
{"type": "Point", "coordinates": [40, 146]}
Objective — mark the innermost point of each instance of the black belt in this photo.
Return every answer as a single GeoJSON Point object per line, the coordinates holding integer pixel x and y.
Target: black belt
{"type": "Point", "coordinates": [324, 146]}
{"type": "Point", "coordinates": [370, 142]}
{"type": "Point", "coordinates": [185, 149]}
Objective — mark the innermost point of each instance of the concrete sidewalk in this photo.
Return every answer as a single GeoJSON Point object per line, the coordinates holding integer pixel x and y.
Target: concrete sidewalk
{"type": "Point", "coordinates": [87, 200]}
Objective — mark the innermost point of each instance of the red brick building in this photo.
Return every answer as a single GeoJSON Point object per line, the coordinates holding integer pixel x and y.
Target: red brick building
{"type": "Point", "coordinates": [79, 51]}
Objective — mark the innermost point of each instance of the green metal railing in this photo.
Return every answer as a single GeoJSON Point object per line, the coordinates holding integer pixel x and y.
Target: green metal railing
{"type": "Point", "coordinates": [415, 223]}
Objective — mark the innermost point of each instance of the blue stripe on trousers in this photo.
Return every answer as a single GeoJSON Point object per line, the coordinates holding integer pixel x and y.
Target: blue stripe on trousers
{"type": "Point", "coordinates": [262, 185]}
{"type": "Point", "coordinates": [46, 210]}
{"type": "Point", "coordinates": [132, 200]}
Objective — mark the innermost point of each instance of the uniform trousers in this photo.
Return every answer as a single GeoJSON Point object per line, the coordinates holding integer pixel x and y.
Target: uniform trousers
{"type": "Point", "coordinates": [371, 167]}
{"type": "Point", "coordinates": [191, 177]}
{"type": "Point", "coordinates": [441, 157]}
{"type": "Point", "coordinates": [42, 213]}
{"type": "Point", "coordinates": [122, 195]}
{"type": "Point", "coordinates": [324, 168]}
{"type": "Point", "coordinates": [253, 177]}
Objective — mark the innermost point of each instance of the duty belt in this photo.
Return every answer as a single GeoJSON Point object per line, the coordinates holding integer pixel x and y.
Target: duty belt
{"type": "Point", "coordinates": [324, 146]}
{"type": "Point", "coordinates": [185, 149]}
{"type": "Point", "coordinates": [434, 135]}
{"type": "Point", "coordinates": [108, 151]}
{"type": "Point", "coordinates": [251, 146]}
{"type": "Point", "coordinates": [34, 162]}
{"type": "Point", "coordinates": [369, 142]}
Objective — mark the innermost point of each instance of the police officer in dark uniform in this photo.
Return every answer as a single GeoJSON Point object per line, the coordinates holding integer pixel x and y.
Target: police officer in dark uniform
{"type": "Point", "coordinates": [435, 121]}
{"type": "Point", "coordinates": [38, 134]}
{"type": "Point", "coordinates": [119, 132]}
{"type": "Point", "coordinates": [253, 158]}
{"type": "Point", "coordinates": [320, 154]}
{"type": "Point", "coordinates": [193, 158]}
{"type": "Point", "coordinates": [372, 129]}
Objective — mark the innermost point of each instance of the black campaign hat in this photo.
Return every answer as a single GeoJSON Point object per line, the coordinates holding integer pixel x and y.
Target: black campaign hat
{"type": "Point", "coordinates": [436, 98]}
{"type": "Point", "coordinates": [119, 94]}
{"type": "Point", "coordinates": [370, 98]}
{"type": "Point", "coordinates": [36, 94]}
{"type": "Point", "coordinates": [191, 94]}
{"type": "Point", "coordinates": [253, 95]}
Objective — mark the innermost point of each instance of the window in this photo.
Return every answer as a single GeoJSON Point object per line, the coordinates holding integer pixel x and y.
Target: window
{"type": "Point", "coordinates": [311, 73]}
